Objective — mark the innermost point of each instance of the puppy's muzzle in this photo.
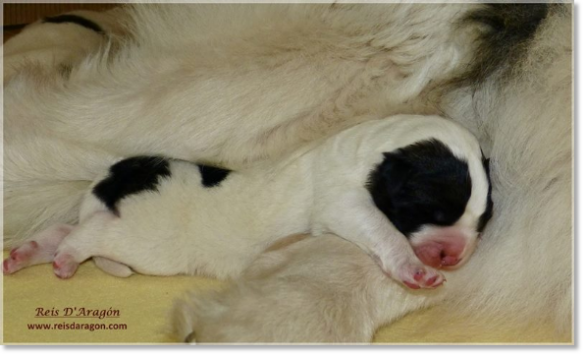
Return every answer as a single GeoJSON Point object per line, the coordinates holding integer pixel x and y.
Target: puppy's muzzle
{"type": "Point", "coordinates": [446, 248]}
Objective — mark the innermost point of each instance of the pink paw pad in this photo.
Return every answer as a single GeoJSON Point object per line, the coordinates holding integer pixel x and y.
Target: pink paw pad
{"type": "Point", "coordinates": [419, 274]}
{"type": "Point", "coordinates": [431, 281]}
{"type": "Point", "coordinates": [423, 278]}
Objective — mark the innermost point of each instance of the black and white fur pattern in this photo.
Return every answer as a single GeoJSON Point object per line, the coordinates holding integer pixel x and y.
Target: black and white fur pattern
{"type": "Point", "coordinates": [380, 185]}
{"type": "Point", "coordinates": [235, 92]}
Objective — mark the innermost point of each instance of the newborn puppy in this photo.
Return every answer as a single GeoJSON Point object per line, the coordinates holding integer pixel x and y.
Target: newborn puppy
{"type": "Point", "coordinates": [411, 191]}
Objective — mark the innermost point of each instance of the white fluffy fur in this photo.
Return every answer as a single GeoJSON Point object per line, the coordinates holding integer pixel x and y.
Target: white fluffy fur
{"type": "Point", "coordinates": [236, 83]}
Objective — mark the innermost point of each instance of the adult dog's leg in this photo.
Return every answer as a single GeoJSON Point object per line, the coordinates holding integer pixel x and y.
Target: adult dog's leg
{"type": "Point", "coordinates": [322, 289]}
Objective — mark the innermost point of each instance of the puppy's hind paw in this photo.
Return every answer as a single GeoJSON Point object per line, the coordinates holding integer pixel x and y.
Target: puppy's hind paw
{"type": "Point", "coordinates": [40, 248]}
{"type": "Point", "coordinates": [64, 266]}
{"type": "Point", "coordinates": [20, 257]}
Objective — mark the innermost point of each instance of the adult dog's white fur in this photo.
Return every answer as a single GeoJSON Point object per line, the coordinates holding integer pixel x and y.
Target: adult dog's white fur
{"type": "Point", "coordinates": [237, 83]}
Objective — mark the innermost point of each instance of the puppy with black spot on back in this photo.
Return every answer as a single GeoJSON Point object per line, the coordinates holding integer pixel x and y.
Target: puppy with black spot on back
{"type": "Point", "coordinates": [412, 191]}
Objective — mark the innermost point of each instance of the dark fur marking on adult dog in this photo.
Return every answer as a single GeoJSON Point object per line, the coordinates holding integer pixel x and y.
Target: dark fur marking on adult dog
{"type": "Point", "coordinates": [511, 27]}
{"type": "Point", "coordinates": [76, 20]}
{"type": "Point", "coordinates": [212, 176]}
{"type": "Point", "coordinates": [421, 184]}
{"type": "Point", "coordinates": [131, 176]}
{"type": "Point", "coordinates": [487, 214]}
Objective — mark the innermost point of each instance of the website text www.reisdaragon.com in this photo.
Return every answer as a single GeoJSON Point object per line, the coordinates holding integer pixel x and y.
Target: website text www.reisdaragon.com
{"type": "Point", "coordinates": [76, 326]}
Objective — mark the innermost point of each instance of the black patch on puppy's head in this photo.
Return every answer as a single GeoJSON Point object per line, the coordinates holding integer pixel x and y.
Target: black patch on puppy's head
{"type": "Point", "coordinates": [421, 184]}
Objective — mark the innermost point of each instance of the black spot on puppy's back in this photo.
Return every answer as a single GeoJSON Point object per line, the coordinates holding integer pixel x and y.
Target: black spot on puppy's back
{"type": "Point", "coordinates": [131, 176]}
{"type": "Point", "coordinates": [212, 176]}
{"type": "Point", "coordinates": [421, 184]}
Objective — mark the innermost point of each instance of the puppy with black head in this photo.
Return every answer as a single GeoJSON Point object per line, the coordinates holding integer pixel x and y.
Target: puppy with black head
{"type": "Point", "coordinates": [411, 191]}
{"type": "Point", "coordinates": [424, 190]}
{"type": "Point", "coordinates": [427, 195]}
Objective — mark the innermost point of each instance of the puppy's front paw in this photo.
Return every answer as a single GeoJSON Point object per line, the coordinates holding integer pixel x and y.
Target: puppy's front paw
{"type": "Point", "coordinates": [413, 274]}
{"type": "Point", "coordinates": [419, 276]}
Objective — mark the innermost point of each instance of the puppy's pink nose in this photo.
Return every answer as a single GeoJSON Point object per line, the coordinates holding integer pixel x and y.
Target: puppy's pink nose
{"type": "Point", "coordinates": [439, 254]}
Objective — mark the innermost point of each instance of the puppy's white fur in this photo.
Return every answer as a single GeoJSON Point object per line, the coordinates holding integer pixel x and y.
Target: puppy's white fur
{"type": "Point", "coordinates": [345, 63]}
{"type": "Point", "coordinates": [185, 227]}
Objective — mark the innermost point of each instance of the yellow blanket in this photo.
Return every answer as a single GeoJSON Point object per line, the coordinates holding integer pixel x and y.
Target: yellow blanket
{"type": "Point", "coordinates": [138, 309]}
